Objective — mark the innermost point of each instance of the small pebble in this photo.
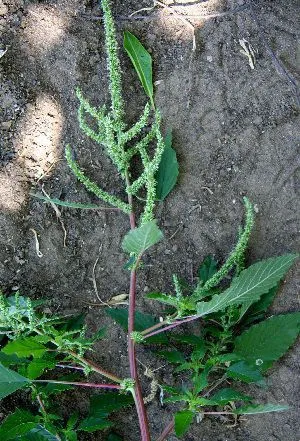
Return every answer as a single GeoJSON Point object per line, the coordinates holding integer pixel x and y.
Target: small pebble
{"type": "Point", "coordinates": [3, 9]}
{"type": "Point", "coordinates": [6, 125]}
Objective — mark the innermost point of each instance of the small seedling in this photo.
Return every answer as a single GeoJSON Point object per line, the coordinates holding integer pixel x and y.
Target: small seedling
{"type": "Point", "coordinates": [235, 344]}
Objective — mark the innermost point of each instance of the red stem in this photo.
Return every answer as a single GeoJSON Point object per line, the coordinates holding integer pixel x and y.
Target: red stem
{"type": "Point", "coordinates": [168, 429]}
{"type": "Point", "coordinates": [138, 396]}
{"type": "Point", "coordinates": [171, 326]}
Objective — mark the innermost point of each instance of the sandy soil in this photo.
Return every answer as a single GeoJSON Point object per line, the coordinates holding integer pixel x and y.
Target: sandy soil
{"type": "Point", "coordinates": [235, 132]}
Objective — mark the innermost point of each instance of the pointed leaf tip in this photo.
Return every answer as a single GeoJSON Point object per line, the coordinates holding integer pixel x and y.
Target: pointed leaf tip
{"type": "Point", "coordinates": [142, 62]}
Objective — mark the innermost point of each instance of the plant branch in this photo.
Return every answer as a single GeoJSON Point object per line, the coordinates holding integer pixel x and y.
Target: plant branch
{"type": "Point", "coordinates": [84, 361]}
{"type": "Point", "coordinates": [76, 383]}
{"type": "Point", "coordinates": [95, 367]}
{"type": "Point", "coordinates": [170, 326]}
{"type": "Point", "coordinates": [167, 430]}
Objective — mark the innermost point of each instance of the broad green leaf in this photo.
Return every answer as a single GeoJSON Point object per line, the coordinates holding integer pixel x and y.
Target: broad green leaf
{"type": "Point", "coordinates": [183, 420]}
{"type": "Point", "coordinates": [250, 284]}
{"type": "Point", "coordinates": [67, 204]}
{"type": "Point", "coordinates": [198, 353]}
{"type": "Point", "coordinates": [15, 304]}
{"type": "Point", "coordinates": [224, 358]}
{"type": "Point", "coordinates": [200, 401]}
{"type": "Point", "coordinates": [10, 381]}
{"type": "Point", "coordinates": [175, 398]}
{"type": "Point", "coordinates": [260, 408]}
{"type": "Point", "coordinates": [72, 421]}
{"type": "Point", "coordinates": [91, 424]}
{"type": "Point", "coordinates": [167, 173]}
{"type": "Point", "coordinates": [38, 365]}
{"type": "Point", "coordinates": [207, 269]}
{"type": "Point", "coordinates": [226, 395]}
{"type": "Point", "coordinates": [140, 239]}
{"type": "Point", "coordinates": [243, 372]}
{"type": "Point", "coordinates": [54, 388]}
{"type": "Point", "coordinates": [100, 408]}
{"type": "Point", "coordinates": [142, 62]}
{"type": "Point", "coordinates": [39, 433]}
{"type": "Point", "coordinates": [9, 360]}
{"type": "Point", "coordinates": [163, 298]}
{"type": "Point", "coordinates": [25, 347]}
{"type": "Point", "coordinates": [18, 423]}
{"type": "Point", "coordinates": [185, 367]}
{"type": "Point", "coordinates": [261, 305]}
{"type": "Point", "coordinates": [71, 435]}
{"type": "Point", "coordinates": [267, 341]}
{"type": "Point", "coordinates": [200, 382]}
{"type": "Point", "coordinates": [172, 356]}
{"type": "Point", "coordinates": [109, 402]}
{"type": "Point", "coordinates": [141, 322]}
{"type": "Point", "coordinates": [74, 323]}
{"type": "Point", "coordinates": [175, 394]}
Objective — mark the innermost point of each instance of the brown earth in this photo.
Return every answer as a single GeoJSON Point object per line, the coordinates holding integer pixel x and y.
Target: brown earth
{"type": "Point", "coordinates": [235, 132]}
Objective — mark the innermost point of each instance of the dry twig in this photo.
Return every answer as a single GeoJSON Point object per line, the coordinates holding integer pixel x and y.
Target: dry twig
{"type": "Point", "coordinates": [58, 214]}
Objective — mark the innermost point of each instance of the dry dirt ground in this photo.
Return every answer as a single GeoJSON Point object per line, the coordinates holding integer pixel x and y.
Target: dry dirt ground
{"type": "Point", "coordinates": [235, 133]}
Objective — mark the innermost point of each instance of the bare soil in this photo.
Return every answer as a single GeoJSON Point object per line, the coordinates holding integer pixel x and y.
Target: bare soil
{"type": "Point", "coordinates": [235, 131]}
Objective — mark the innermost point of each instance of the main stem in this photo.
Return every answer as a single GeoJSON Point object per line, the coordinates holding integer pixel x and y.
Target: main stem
{"type": "Point", "coordinates": [137, 395]}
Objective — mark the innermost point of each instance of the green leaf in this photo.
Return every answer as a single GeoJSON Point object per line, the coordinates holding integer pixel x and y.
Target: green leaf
{"type": "Point", "coordinates": [167, 173]}
{"type": "Point", "coordinates": [38, 365]}
{"type": "Point", "coordinates": [109, 402]}
{"type": "Point", "coordinates": [226, 395]}
{"type": "Point", "coordinates": [207, 269]}
{"type": "Point", "coordinates": [10, 381]}
{"type": "Point", "coordinates": [262, 304]}
{"type": "Point", "coordinates": [137, 241]}
{"type": "Point", "coordinates": [260, 408]}
{"type": "Point", "coordinates": [250, 284]}
{"type": "Point", "coordinates": [141, 322]}
{"type": "Point", "coordinates": [67, 204]}
{"type": "Point", "coordinates": [100, 408]}
{"type": "Point", "coordinates": [224, 358]}
{"type": "Point", "coordinates": [72, 421]}
{"type": "Point", "coordinates": [18, 423]}
{"type": "Point", "coordinates": [9, 360]}
{"type": "Point", "coordinates": [163, 298]}
{"type": "Point", "coordinates": [25, 347]}
{"type": "Point", "coordinates": [75, 323]}
{"type": "Point", "coordinates": [54, 388]}
{"type": "Point", "coordinates": [200, 401]}
{"type": "Point", "coordinates": [200, 382]}
{"type": "Point", "coordinates": [91, 424]}
{"type": "Point", "coordinates": [185, 367]}
{"type": "Point", "coordinates": [172, 356]}
{"type": "Point", "coordinates": [142, 62]}
{"type": "Point", "coordinates": [198, 353]}
{"type": "Point", "coordinates": [243, 372]}
{"type": "Point", "coordinates": [39, 433]}
{"type": "Point", "coordinates": [183, 420]}
{"type": "Point", "coordinates": [267, 341]}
